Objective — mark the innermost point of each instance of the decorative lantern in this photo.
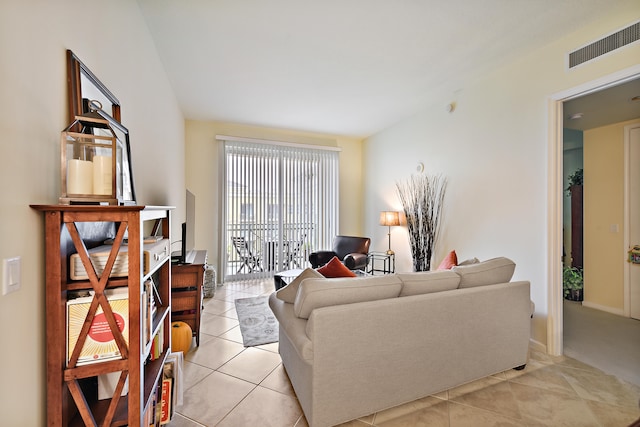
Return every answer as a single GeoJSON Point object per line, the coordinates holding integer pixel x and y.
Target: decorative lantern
{"type": "Point", "coordinates": [94, 167]}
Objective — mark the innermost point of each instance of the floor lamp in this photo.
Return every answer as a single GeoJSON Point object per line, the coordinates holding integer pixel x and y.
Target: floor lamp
{"type": "Point", "coordinates": [389, 218]}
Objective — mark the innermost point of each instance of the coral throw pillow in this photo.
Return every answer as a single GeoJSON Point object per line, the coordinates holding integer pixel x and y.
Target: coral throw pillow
{"type": "Point", "coordinates": [450, 261]}
{"type": "Point", "coordinates": [335, 268]}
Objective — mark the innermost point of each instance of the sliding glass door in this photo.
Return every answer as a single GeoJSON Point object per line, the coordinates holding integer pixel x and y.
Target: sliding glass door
{"type": "Point", "coordinates": [280, 204]}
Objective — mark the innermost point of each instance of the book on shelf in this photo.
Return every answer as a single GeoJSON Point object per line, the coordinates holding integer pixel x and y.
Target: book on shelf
{"type": "Point", "coordinates": [157, 344]}
{"type": "Point", "coordinates": [149, 418]}
{"type": "Point", "coordinates": [173, 380]}
{"type": "Point", "coordinates": [157, 406]}
{"type": "Point", "coordinates": [99, 345]}
{"type": "Point", "coordinates": [166, 409]}
{"type": "Point", "coordinates": [148, 309]}
{"type": "Point", "coordinates": [152, 298]}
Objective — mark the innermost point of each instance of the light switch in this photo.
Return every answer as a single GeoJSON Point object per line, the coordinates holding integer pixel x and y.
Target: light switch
{"type": "Point", "coordinates": [10, 275]}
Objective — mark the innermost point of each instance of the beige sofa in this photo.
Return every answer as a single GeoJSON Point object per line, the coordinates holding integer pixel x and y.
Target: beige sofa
{"type": "Point", "coordinates": [355, 346]}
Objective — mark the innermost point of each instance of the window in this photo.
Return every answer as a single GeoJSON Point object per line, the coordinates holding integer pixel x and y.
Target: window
{"type": "Point", "coordinates": [281, 200]}
{"type": "Point", "coordinates": [246, 212]}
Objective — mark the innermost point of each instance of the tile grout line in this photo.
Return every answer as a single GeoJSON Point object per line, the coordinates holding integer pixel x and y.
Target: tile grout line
{"type": "Point", "coordinates": [237, 404]}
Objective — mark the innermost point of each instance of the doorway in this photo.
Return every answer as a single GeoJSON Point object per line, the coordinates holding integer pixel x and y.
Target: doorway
{"type": "Point", "coordinates": [632, 211]}
{"type": "Point", "coordinates": [557, 116]}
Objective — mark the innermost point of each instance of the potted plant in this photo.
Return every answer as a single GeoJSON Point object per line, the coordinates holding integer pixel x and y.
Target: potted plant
{"type": "Point", "coordinates": [576, 178]}
{"type": "Point", "coordinates": [572, 283]}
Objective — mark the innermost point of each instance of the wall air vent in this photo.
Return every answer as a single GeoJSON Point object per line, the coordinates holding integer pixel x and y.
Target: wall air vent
{"type": "Point", "coordinates": [605, 45]}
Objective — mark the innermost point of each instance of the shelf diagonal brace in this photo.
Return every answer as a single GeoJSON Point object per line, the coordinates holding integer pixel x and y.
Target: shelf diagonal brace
{"type": "Point", "coordinates": [116, 398]}
{"type": "Point", "coordinates": [98, 285]}
{"type": "Point", "coordinates": [81, 402]}
{"type": "Point", "coordinates": [104, 303]}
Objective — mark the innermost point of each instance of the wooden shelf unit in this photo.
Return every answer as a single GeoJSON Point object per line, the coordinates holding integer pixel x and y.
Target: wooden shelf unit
{"type": "Point", "coordinates": [186, 292]}
{"type": "Point", "coordinates": [72, 397]}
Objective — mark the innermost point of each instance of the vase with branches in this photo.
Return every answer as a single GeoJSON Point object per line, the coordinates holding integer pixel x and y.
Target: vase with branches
{"type": "Point", "coordinates": [422, 197]}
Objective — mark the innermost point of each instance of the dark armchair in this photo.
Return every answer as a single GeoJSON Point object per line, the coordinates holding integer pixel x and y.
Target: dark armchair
{"type": "Point", "coordinates": [352, 251]}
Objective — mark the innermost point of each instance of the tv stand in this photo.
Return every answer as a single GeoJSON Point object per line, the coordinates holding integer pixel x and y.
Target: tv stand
{"type": "Point", "coordinates": [186, 292]}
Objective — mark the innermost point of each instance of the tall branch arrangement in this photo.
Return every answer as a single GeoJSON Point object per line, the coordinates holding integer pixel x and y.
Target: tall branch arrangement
{"type": "Point", "coordinates": [422, 197]}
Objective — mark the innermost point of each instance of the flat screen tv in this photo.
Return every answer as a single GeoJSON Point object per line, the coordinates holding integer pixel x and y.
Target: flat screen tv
{"type": "Point", "coordinates": [187, 233]}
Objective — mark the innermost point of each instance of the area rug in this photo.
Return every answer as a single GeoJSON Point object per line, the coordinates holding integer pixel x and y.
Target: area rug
{"type": "Point", "coordinates": [257, 322]}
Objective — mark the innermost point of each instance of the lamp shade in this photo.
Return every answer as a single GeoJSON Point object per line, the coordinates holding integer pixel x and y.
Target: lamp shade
{"type": "Point", "coordinates": [389, 218]}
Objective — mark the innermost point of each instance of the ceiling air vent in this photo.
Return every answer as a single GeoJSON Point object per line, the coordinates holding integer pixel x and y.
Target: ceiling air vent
{"type": "Point", "coordinates": [605, 45]}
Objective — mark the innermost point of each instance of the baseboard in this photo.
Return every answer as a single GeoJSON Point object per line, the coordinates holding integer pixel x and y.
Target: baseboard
{"type": "Point", "coordinates": [616, 311]}
{"type": "Point", "coordinates": [537, 346]}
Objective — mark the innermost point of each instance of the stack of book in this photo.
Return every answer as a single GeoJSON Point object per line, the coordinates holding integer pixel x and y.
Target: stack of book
{"type": "Point", "coordinates": [157, 344]}
{"type": "Point", "coordinates": [171, 395]}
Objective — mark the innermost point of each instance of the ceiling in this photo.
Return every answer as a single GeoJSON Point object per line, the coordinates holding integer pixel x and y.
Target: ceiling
{"type": "Point", "coordinates": [615, 104]}
{"type": "Point", "coordinates": [344, 67]}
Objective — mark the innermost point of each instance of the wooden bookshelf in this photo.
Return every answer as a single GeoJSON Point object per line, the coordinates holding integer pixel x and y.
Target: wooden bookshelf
{"type": "Point", "coordinates": [72, 397]}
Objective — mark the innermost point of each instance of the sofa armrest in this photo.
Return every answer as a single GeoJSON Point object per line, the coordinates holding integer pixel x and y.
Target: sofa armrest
{"type": "Point", "coordinates": [356, 261]}
{"type": "Point", "coordinates": [320, 258]}
{"type": "Point", "coordinates": [293, 327]}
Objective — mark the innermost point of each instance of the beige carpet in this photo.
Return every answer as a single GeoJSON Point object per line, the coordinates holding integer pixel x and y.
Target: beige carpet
{"type": "Point", "coordinates": [603, 340]}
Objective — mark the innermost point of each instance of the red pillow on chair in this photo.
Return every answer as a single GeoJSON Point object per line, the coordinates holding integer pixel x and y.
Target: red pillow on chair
{"type": "Point", "coordinates": [450, 261]}
{"type": "Point", "coordinates": [335, 268]}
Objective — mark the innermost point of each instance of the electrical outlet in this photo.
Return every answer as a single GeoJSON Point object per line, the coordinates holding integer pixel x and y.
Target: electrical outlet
{"type": "Point", "coordinates": [11, 279]}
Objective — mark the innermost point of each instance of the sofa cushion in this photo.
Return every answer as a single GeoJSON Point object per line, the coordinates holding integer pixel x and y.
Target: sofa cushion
{"type": "Point", "coordinates": [288, 292]}
{"type": "Point", "coordinates": [426, 282]}
{"type": "Point", "coordinates": [473, 260]}
{"type": "Point", "coordinates": [335, 268]}
{"type": "Point", "coordinates": [451, 260]}
{"type": "Point", "coordinates": [491, 271]}
{"type": "Point", "coordinates": [316, 293]}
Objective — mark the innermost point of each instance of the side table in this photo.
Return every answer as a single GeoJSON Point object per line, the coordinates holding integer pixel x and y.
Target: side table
{"type": "Point", "coordinates": [381, 262]}
{"type": "Point", "coordinates": [186, 292]}
{"type": "Point", "coordinates": [283, 278]}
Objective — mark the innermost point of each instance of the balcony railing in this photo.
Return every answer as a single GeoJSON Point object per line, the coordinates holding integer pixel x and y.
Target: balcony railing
{"type": "Point", "coordinates": [266, 251]}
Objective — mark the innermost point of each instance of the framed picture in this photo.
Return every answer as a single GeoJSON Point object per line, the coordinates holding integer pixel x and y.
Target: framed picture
{"type": "Point", "coordinates": [85, 92]}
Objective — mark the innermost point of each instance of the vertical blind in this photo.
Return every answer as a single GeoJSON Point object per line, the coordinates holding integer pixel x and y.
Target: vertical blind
{"type": "Point", "coordinates": [280, 204]}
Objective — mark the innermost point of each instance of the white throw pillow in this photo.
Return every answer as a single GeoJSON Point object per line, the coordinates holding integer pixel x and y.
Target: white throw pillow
{"type": "Point", "coordinates": [315, 293]}
{"type": "Point", "coordinates": [489, 272]}
{"type": "Point", "coordinates": [288, 292]}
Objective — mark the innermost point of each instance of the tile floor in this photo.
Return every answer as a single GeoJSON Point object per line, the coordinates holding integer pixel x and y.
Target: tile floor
{"type": "Point", "coordinates": [228, 385]}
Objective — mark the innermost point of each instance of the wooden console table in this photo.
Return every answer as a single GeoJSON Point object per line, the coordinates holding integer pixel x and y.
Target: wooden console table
{"type": "Point", "coordinates": [186, 292]}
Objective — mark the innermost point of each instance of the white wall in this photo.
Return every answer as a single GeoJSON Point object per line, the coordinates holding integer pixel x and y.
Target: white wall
{"type": "Point", "coordinates": [493, 150]}
{"type": "Point", "coordinates": [111, 38]}
{"type": "Point", "coordinates": [604, 207]}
